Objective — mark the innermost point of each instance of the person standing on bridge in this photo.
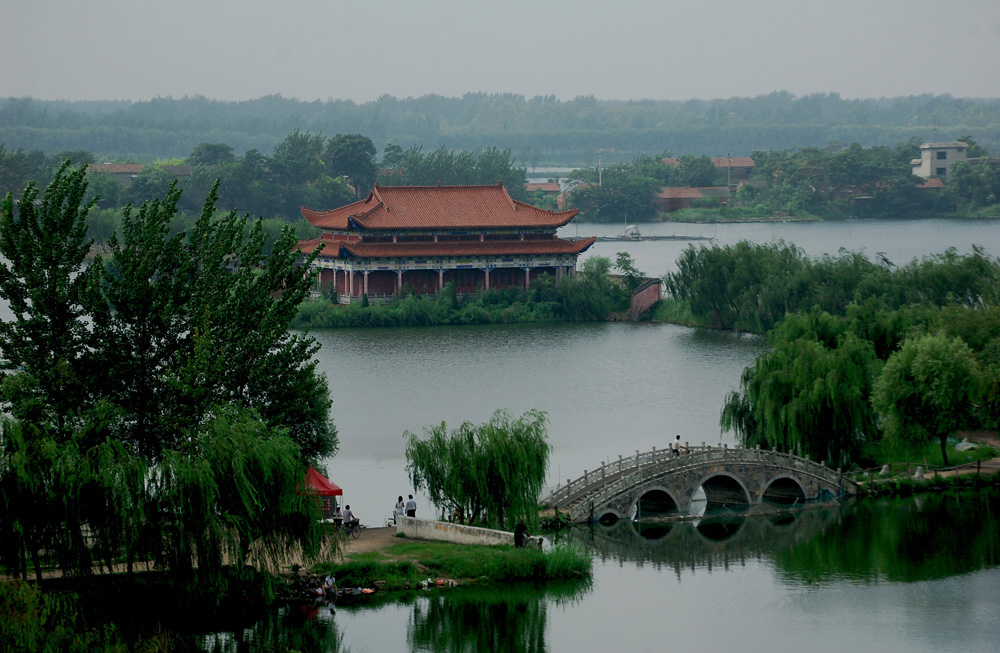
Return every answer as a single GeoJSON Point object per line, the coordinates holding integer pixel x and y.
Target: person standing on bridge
{"type": "Point", "coordinates": [675, 447]}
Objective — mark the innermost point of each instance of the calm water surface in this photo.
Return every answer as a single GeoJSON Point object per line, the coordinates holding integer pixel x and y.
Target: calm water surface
{"type": "Point", "coordinates": [609, 389]}
{"type": "Point", "coordinates": [914, 574]}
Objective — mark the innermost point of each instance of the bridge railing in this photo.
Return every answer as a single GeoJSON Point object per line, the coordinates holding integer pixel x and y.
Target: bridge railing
{"type": "Point", "coordinates": [615, 476]}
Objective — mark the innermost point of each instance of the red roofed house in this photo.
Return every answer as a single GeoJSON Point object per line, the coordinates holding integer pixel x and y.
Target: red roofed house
{"type": "Point", "coordinates": [547, 188]}
{"type": "Point", "coordinates": [423, 237]}
{"type": "Point", "coordinates": [126, 172]}
{"type": "Point", "coordinates": [737, 168]}
{"type": "Point", "coordinates": [674, 198]}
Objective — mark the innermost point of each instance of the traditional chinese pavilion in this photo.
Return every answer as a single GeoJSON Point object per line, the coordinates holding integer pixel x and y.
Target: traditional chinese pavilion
{"type": "Point", "coordinates": [423, 237]}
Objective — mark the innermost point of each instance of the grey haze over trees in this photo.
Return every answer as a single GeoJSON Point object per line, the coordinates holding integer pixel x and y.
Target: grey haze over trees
{"type": "Point", "coordinates": [567, 132]}
{"type": "Point", "coordinates": [162, 405]}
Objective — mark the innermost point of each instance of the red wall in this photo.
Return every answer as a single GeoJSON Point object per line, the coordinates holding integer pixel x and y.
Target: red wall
{"type": "Point", "coordinates": [643, 298]}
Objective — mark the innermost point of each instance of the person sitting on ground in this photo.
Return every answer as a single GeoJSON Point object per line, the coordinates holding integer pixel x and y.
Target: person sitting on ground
{"type": "Point", "coordinates": [520, 533]}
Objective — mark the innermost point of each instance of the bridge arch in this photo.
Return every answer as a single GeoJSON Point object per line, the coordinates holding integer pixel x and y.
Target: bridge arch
{"type": "Point", "coordinates": [655, 501]}
{"type": "Point", "coordinates": [724, 489]}
{"type": "Point", "coordinates": [608, 517]}
{"type": "Point", "coordinates": [784, 490]}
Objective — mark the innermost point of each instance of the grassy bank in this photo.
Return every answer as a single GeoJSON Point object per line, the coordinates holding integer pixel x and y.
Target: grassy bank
{"type": "Point", "coordinates": [904, 486]}
{"type": "Point", "coordinates": [405, 564]}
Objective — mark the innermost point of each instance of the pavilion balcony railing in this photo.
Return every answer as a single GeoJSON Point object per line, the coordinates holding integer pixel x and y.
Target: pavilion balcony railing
{"type": "Point", "coordinates": [388, 298]}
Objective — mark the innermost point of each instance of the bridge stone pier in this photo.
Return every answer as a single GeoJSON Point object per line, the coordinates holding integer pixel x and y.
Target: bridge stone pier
{"type": "Point", "coordinates": [654, 483]}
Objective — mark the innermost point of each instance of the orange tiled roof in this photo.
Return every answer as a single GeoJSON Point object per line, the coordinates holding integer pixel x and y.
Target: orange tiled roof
{"type": "Point", "coordinates": [679, 193]}
{"type": "Point", "coordinates": [932, 183]}
{"type": "Point", "coordinates": [545, 187]}
{"type": "Point", "coordinates": [454, 250]}
{"type": "Point", "coordinates": [721, 162]}
{"type": "Point", "coordinates": [437, 207]}
{"type": "Point", "coordinates": [733, 162]}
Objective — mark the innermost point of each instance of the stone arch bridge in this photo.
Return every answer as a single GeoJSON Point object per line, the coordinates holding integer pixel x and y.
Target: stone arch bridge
{"type": "Point", "coordinates": [655, 483]}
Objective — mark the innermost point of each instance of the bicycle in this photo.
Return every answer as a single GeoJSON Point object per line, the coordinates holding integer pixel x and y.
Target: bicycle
{"type": "Point", "coordinates": [352, 529]}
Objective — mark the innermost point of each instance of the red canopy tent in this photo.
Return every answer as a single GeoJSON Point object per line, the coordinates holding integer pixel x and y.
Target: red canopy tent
{"type": "Point", "coordinates": [321, 485]}
{"type": "Point", "coordinates": [323, 488]}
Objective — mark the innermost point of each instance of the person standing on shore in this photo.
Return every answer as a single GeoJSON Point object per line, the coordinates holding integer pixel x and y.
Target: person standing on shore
{"type": "Point", "coordinates": [400, 507]}
{"type": "Point", "coordinates": [411, 507]}
{"type": "Point", "coordinates": [520, 533]}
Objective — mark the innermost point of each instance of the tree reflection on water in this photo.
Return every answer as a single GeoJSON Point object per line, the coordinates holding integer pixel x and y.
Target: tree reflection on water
{"type": "Point", "coordinates": [917, 538]}
{"type": "Point", "coordinates": [302, 627]}
{"type": "Point", "coordinates": [488, 619]}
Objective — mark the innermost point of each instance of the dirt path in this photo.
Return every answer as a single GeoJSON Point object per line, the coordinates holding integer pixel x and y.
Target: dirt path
{"type": "Point", "coordinates": [372, 539]}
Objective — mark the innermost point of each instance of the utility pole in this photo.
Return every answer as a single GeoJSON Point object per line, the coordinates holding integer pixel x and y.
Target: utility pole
{"type": "Point", "coordinates": [729, 170]}
{"type": "Point", "coordinates": [599, 169]}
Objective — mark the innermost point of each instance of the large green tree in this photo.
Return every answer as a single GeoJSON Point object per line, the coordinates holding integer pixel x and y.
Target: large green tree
{"type": "Point", "coordinates": [494, 472]}
{"type": "Point", "coordinates": [810, 394]}
{"type": "Point", "coordinates": [45, 280]}
{"type": "Point", "coordinates": [352, 155]}
{"type": "Point", "coordinates": [163, 410]}
{"type": "Point", "coordinates": [929, 389]}
{"type": "Point", "coordinates": [210, 154]}
{"type": "Point", "coordinates": [200, 318]}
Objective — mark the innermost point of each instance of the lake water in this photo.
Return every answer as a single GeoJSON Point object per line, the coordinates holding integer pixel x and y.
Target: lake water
{"type": "Point", "coordinates": [918, 574]}
{"type": "Point", "coordinates": [610, 389]}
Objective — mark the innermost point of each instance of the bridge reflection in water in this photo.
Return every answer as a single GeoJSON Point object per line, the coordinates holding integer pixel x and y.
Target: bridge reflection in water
{"type": "Point", "coordinates": [655, 483]}
{"type": "Point", "coordinates": [717, 538]}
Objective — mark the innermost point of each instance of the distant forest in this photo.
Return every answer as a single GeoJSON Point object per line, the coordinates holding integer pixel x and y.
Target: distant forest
{"type": "Point", "coordinates": [539, 131]}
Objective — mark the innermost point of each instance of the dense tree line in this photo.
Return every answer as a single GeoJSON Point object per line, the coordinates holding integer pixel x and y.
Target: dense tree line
{"type": "Point", "coordinates": [752, 287]}
{"type": "Point", "coordinates": [540, 128]}
{"type": "Point", "coordinates": [832, 182]}
{"type": "Point", "coordinates": [161, 409]}
{"type": "Point", "coordinates": [413, 167]}
{"type": "Point", "coordinates": [304, 169]}
{"type": "Point", "coordinates": [861, 353]}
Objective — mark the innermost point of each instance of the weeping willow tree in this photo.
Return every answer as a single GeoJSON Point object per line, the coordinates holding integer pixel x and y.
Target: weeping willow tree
{"type": "Point", "coordinates": [494, 472]}
{"type": "Point", "coordinates": [231, 496]}
{"type": "Point", "coordinates": [810, 395]}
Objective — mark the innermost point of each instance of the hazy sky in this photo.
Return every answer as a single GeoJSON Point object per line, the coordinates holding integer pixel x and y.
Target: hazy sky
{"type": "Point", "coordinates": [613, 49]}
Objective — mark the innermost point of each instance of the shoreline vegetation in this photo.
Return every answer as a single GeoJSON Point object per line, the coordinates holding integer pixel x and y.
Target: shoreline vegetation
{"type": "Point", "coordinates": [405, 564]}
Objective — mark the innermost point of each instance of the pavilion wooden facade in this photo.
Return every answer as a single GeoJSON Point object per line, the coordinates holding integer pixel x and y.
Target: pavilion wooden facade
{"type": "Point", "coordinates": [421, 238]}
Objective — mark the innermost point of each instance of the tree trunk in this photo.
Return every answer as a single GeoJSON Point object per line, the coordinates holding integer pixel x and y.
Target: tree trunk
{"type": "Point", "coordinates": [944, 449]}
{"type": "Point", "coordinates": [35, 560]}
